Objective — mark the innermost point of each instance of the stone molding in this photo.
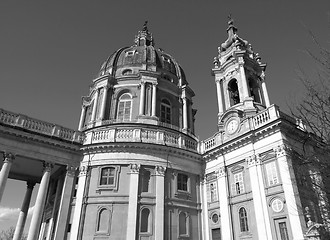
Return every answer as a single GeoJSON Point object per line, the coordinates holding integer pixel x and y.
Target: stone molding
{"type": "Point", "coordinates": [221, 172]}
{"type": "Point", "coordinates": [134, 168]}
{"type": "Point", "coordinates": [282, 150]}
{"type": "Point", "coordinates": [252, 160]}
{"type": "Point", "coordinates": [160, 171]}
{"type": "Point", "coordinates": [83, 171]}
{"type": "Point", "coordinates": [8, 157]}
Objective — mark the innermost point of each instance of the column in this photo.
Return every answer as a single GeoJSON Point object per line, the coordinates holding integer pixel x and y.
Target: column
{"type": "Point", "coordinates": [264, 90]}
{"type": "Point", "coordinates": [104, 102]}
{"type": "Point", "coordinates": [24, 211]}
{"type": "Point", "coordinates": [142, 98]}
{"type": "Point", "coordinates": [79, 202]}
{"type": "Point", "coordinates": [259, 198]}
{"type": "Point", "coordinates": [219, 95]}
{"type": "Point", "coordinates": [160, 195]}
{"type": "Point", "coordinates": [82, 117]}
{"type": "Point", "coordinates": [132, 202]}
{"type": "Point", "coordinates": [54, 212]}
{"type": "Point", "coordinates": [294, 207]}
{"type": "Point", "coordinates": [63, 211]}
{"type": "Point", "coordinates": [96, 98]}
{"type": "Point", "coordinates": [224, 204]}
{"type": "Point", "coordinates": [154, 93]}
{"type": "Point", "coordinates": [243, 81]}
{"type": "Point", "coordinates": [40, 202]}
{"type": "Point", "coordinates": [205, 217]}
{"type": "Point", "coordinates": [185, 111]}
{"type": "Point", "coordinates": [8, 159]}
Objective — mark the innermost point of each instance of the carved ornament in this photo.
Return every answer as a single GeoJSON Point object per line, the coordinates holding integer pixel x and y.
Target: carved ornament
{"type": "Point", "coordinates": [8, 157]}
{"type": "Point", "coordinates": [221, 172]}
{"type": "Point", "coordinates": [160, 170]}
{"type": "Point", "coordinates": [70, 171]}
{"type": "Point", "coordinates": [47, 167]}
{"type": "Point", "coordinates": [252, 160]}
{"type": "Point", "coordinates": [134, 168]}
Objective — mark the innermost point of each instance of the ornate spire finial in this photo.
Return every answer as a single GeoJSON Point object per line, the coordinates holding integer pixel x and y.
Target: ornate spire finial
{"type": "Point", "coordinates": [145, 27]}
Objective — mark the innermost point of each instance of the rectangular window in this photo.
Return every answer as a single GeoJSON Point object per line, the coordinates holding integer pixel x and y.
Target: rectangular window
{"type": "Point", "coordinates": [182, 182]}
{"type": "Point", "coordinates": [238, 186]}
{"type": "Point", "coordinates": [216, 234]}
{"type": "Point", "coordinates": [212, 193]}
{"type": "Point", "coordinates": [271, 173]}
{"type": "Point", "coordinates": [283, 231]}
{"type": "Point", "coordinates": [108, 176]}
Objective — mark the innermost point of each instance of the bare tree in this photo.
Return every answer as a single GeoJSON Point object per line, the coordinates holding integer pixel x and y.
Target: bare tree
{"type": "Point", "coordinates": [9, 234]}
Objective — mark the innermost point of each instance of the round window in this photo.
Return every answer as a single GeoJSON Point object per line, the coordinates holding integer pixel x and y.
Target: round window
{"type": "Point", "coordinates": [277, 205]}
{"type": "Point", "coordinates": [215, 218]}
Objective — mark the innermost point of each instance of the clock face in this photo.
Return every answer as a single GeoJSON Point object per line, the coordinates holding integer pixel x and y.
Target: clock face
{"type": "Point", "coordinates": [232, 126]}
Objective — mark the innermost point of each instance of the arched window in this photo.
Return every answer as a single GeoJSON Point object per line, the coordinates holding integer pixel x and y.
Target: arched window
{"type": "Point", "coordinates": [243, 221]}
{"type": "Point", "coordinates": [145, 221]}
{"type": "Point", "coordinates": [254, 90]}
{"type": "Point", "coordinates": [103, 220]}
{"type": "Point", "coordinates": [108, 175]}
{"type": "Point", "coordinates": [145, 181]}
{"type": "Point", "coordinates": [233, 92]}
{"type": "Point", "coordinates": [183, 224]}
{"type": "Point", "coordinates": [124, 107]}
{"type": "Point", "coordinates": [165, 111]}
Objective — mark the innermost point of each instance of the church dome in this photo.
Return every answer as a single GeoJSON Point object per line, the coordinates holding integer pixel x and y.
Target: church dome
{"type": "Point", "coordinates": [143, 55]}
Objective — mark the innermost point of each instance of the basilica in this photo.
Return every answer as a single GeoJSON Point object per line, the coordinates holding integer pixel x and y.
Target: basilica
{"type": "Point", "coordinates": [135, 170]}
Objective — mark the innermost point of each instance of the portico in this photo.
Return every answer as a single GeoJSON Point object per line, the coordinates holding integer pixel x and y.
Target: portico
{"type": "Point", "coordinates": [38, 152]}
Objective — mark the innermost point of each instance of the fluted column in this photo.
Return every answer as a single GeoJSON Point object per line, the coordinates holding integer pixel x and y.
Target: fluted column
{"type": "Point", "coordinates": [96, 98]}
{"type": "Point", "coordinates": [40, 202]}
{"type": "Point", "coordinates": [160, 196]}
{"type": "Point", "coordinates": [259, 198]}
{"type": "Point", "coordinates": [82, 117]}
{"type": "Point", "coordinates": [219, 95]}
{"type": "Point", "coordinates": [264, 90]}
{"type": "Point", "coordinates": [224, 204]}
{"type": "Point", "coordinates": [104, 101]}
{"type": "Point", "coordinates": [79, 202]}
{"type": "Point", "coordinates": [142, 98]}
{"type": "Point", "coordinates": [154, 94]}
{"type": "Point", "coordinates": [132, 202]}
{"type": "Point", "coordinates": [8, 159]}
{"type": "Point", "coordinates": [63, 211]}
{"type": "Point", "coordinates": [24, 212]}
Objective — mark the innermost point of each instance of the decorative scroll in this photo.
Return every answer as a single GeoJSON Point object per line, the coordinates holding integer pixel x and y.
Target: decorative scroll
{"type": "Point", "coordinates": [160, 170]}
{"type": "Point", "coordinates": [8, 157]}
{"type": "Point", "coordinates": [134, 168]}
{"type": "Point", "coordinates": [221, 172]}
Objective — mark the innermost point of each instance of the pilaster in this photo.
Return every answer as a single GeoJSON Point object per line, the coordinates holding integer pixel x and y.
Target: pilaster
{"type": "Point", "coordinates": [295, 212]}
{"type": "Point", "coordinates": [160, 196]}
{"type": "Point", "coordinates": [226, 230]}
{"type": "Point", "coordinates": [205, 217]}
{"type": "Point", "coordinates": [259, 198]}
{"type": "Point", "coordinates": [132, 202]}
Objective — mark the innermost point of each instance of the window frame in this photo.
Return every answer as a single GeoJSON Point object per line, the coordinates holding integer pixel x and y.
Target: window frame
{"type": "Point", "coordinates": [98, 221]}
{"type": "Point", "coordinates": [124, 101]}
{"type": "Point", "coordinates": [270, 177]}
{"type": "Point", "coordinates": [150, 221]}
{"type": "Point", "coordinates": [166, 115]}
{"type": "Point", "coordinates": [236, 187]}
{"type": "Point", "coordinates": [243, 219]}
{"type": "Point", "coordinates": [187, 225]}
{"type": "Point", "coordinates": [114, 186]}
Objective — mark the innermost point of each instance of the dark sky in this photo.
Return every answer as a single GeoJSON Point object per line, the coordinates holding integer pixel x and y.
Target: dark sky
{"type": "Point", "coordinates": [51, 51]}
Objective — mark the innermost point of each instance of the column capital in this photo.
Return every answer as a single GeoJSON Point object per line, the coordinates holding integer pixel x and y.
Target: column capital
{"type": "Point", "coordinates": [252, 160]}
{"type": "Point", "coordinates": [47, 167]}
{"type": "Point", "coordinates": [263, 76]}
{"type": "Point", "coordinates": [70, 171]}
{"type": "Point", "coordinates": [282, 150]}
{"type": "Point", "coordinates": [221, 172]}
{"type": "Point", "coordinates": [83, 171]}
{"type": "Point", "coordinates": [160, 171]}
{"type": "Point", "coordinates": [30, 184]}
{"type": "Point", "coordinates": [134, 168]}
{"type": "Point", "coordinates": [8, 157]}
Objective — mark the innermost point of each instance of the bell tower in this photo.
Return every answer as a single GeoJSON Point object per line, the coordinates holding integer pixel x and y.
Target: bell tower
{"type": "Point", "coordinates": [239, 77]}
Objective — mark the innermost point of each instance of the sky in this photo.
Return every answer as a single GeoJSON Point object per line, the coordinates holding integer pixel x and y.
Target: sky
{"type": "Point", "coordinates": [51, 51]}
